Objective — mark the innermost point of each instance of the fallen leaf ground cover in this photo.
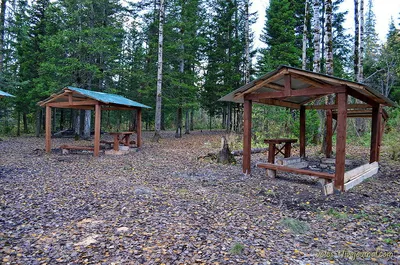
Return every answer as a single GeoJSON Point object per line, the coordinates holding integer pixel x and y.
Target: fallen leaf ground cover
{"type": "Point", "coordinates": [163, 205]}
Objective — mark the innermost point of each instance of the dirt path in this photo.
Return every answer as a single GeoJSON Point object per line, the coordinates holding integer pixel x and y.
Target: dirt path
{"type": "Point", "coordinates": [162, 205]}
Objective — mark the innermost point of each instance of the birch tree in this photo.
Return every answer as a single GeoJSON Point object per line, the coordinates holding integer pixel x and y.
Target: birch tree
{"type": "Point", "coordinates": [305, 32]}
{"type": "Point", "coordinates": [317, 32]}
{"type": "Point", "coordinates": [361, 47]}
{"type": "Point", "coordinates": [356, 39]}
{"type": "Point", "coordinates": [2, 31]}
{"type": "Point", "coordinates": [329, 41]}
{"type": "Point", "coordinates": [157, 134]}
{"type": "Point", "coordinates": [247, 43]}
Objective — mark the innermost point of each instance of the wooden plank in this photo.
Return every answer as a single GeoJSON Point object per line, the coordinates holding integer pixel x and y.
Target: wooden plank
{"type": "Point", "coordinates": [74, 103]}
{"type": "Point", "coordinates": [97, 124]}
{"type": "Point", "coordinates": [361, 178]}
{"type": "Point", "coordinates": [334, 106]}
{"type": "Point", "coordinates": [260, 85]}
{"type": "Point", "coordinates": [295, 93]}
{"type": "Point", "coordinates": [264, 95]}
{"type": "Point", "coordinates": [287, 81]}
{"type": "Point", "coordinates": [323, 78]}
{"type": "Point", "coordinates": [247, 137]}
{"type": "Point", "coordinates": [329, 133]}
{"type": "Point", "coordinates": [310, 81]}
{"type": "Point", "coordinates": [296, 170]}
{"type": "Point", "coordinates": [271, 153]}
{"type": "Point", "coordinates": [363, 97]}
{"type": "Point", "coordinates": [48, 129]}
{"type": "Point", "coordinates": [139, 127]}
{"type": "Point", "coordinates": [281, 103]}
{"type": "Point", "coordinates": [375, 134]}
{"type": "Point", "coordinates": [358, 171]}
{"type": "Point", "coordinates": [302, 131]}
{"type": "Point", "coordinates": [341, 141]}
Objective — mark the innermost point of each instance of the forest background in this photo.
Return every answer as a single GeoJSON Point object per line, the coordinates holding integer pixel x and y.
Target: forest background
{"type": "Point", "coordinates": [207, 51]}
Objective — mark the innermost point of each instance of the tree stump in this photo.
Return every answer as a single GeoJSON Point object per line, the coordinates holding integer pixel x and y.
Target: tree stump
{"type": "Point", "coordinates": [225, 156]}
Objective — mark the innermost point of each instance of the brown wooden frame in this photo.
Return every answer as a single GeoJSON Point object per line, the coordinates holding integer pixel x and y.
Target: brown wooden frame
{"type": "Point", "coordinates": [69, 99]}
{"type": "Point", "coordinates": [315, 86]}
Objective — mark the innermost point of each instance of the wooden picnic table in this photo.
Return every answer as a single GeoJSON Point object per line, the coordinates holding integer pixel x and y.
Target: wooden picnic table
{"type": "Point", "coordinates": [273, 149]}
{"type": "Point", "coordinates": [121, 137]}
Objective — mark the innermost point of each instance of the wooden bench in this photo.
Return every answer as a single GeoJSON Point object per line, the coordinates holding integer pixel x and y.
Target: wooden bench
{"type": "Point", "coordinates": [110, 143]}
{"type": "Point", "coordinates": [318, 174]}
{"type": "Point", "coordinates": [65, 148]}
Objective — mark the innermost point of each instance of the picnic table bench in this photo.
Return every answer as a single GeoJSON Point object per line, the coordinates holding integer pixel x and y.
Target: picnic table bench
{"type": "Point", "coordinates": [274, 149]}
{"type": "Point", "coordinates": [121, 137]}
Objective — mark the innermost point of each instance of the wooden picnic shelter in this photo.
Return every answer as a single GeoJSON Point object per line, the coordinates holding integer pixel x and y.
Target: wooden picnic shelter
{"type": "Point", "coordinates": [82, 99]}
{"type": "Point", "coordinates": [300, 89]}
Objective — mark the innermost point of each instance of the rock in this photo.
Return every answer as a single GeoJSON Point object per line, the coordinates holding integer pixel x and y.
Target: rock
{"type": "Point", "coordinates": [122, 229]}
{"type": "Point", "coordinates": [87, 241]}
{"type": "Point", "coordinates": [142, 191]}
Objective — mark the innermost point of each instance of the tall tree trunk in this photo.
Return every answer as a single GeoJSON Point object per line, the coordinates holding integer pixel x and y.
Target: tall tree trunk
{"type": "Point", "coordinates": [317, 30]}
{"type": "Point", "coordinates": [361, 50]}
{"type": "Point", "coordinates": [328, 67]}
{"type": "Point", "coordinates": [86, 128]}
{"type": "Point", "coordinates": [356, 39]}
{"type": "Point", "coordinates": [2, 32]}
{"type": "Point", "coordinates": [178, 132]}
{"type": "Point", "coordinates": [38, 122]}
{"type": "Point", "coordinates": [62, 119]}
{"type": "Point", "coordinates": [19, 123]}
{"type": "Point", "coordinates": [157, 134]}
{"type": "Point", "coordinates": [187, 123]}
{"type": "Point", "coordinates": [305, 32]}
{"type": "Point", "coordinates": [192, 120]}
{"type": "Point", "coordinates": [322, 38]}
{"type": "Point", "coordinates": [329, 41]}
{"type": "Point", "coordinates": [247, 43]}
{"type": "Point", "coordinates": [25, 121]}
{"type": "Point", "coordinates": [77, 123]}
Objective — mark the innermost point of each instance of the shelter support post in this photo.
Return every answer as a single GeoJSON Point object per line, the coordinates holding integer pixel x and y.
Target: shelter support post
{"type": "Point", "coordinates": [97, 121]}
{"type": "Point", "coordinates": [247, 137]}
{"type": "Point", "coordinates": [375, 133]}
{"type": "Point", "coordinates": [341, 140]}
{"type": "Point", "coordinates": [48, 129]}
{"type": "Point", "coordinates": [302, 131]}
{"type": "Point", "coordinates": [139, 127]}
{"type": "Point", "coordinates": [329, 133]}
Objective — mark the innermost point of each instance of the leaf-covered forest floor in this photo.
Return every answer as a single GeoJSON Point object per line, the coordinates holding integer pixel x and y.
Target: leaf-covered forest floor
{"type": "Point", "coordinates": [162, 205]}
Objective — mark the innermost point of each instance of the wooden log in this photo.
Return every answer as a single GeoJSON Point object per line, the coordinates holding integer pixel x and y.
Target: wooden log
{"type": "Point", "coordinates": [139, 127]}
{"type": "Point", "coordinates": [97, 124]}
{"type": "Point", "coordinates": [341, 141]}
{"type": "Point", "coordinates": [247, 137]}
{"type": "Point", "coordinates": [302, 131]}
{"type": "Point", "coordinates": [48, 129]}
{"type": "Point", "coordinates": [253, 151]}
{"type": "Point", "coordinates": [375, 133]}
{"type": "Point", "coordinates": [297, 171]}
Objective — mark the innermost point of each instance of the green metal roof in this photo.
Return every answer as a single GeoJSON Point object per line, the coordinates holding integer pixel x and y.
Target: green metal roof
{"type": "Point", "coordinates": [5, 94]}
{"type": "Point", "coordinates": [107, 98]}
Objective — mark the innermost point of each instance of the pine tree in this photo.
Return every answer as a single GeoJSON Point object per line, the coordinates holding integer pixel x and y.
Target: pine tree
{"type": "Point", "coordinates": [280, 38]}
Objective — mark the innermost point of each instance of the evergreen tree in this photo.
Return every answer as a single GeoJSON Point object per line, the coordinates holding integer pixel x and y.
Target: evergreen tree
{"type": "Point", "coordinates": [279, 36]}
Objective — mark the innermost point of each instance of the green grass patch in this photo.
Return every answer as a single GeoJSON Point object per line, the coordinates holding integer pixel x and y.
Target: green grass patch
{"type": "Point", "coordinates": [237, 249]}
{"type": "Point", "coordinates": [295, 225]}
{"type": "Point", "coordinates": [336, 214]}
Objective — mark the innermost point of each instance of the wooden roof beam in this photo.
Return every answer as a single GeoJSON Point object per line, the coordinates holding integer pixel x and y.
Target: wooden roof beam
{"type": "Point", "coordinates": [279, 103]}
{"type": "Point", "coordinates": [261, 84]}
{"type": "Point", "coordinates": [349, 106]}
{"type": "Point", "coordinates": [311, 91]}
